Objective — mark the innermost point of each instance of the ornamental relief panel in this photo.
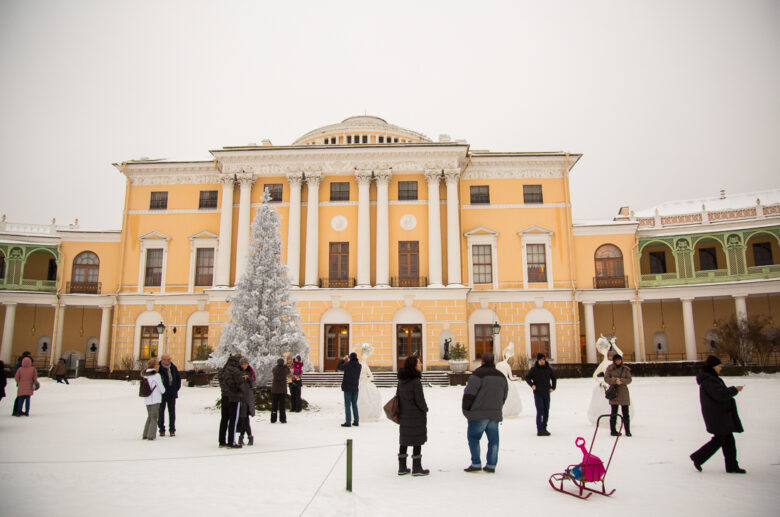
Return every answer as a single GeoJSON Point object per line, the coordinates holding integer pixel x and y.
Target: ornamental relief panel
{"type": "Point", "coordinates": [503, 173]}
{"type": "Point", "coordinates": [174, 179]}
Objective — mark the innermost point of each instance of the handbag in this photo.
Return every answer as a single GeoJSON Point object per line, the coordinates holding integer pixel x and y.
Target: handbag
{"type": "Point", "coordinates": [391, 409]}
{"type": "Point", "coordinates": [36, 386]}
{"type": "Point", "coordinates": [611, 392]}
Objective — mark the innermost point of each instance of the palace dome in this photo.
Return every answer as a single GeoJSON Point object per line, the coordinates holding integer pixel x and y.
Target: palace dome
{"type": "Point", "coordinates": [361, 129]}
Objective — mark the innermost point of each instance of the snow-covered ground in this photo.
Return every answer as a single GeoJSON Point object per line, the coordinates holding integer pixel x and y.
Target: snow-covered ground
{"type": "Point", "coordinates": [80, 453]}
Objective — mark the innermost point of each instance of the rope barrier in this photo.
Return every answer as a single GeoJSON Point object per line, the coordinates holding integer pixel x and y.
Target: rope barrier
{"type": "Point", "coordinates": [324, 480]}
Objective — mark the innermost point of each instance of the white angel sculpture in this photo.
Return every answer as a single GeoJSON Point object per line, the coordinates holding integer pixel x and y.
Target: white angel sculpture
{"type": "Point", "coordinates": [513, 405]}
{"type": "Point", "coordinates": [369, 400]}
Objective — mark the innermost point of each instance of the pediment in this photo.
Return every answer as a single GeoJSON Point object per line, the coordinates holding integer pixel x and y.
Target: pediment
{"type": "Point", "coordinates": [205, 234]}
{"type": "Point", "coordinates": [480, 230]}
{"type": "Point", "coordinates": [154, 235]}
{"type": "Point", "coordinates": [535, 229]}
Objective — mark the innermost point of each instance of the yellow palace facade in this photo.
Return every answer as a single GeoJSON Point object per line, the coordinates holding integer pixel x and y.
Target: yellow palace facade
{"type": "Point", "coordinates": [393, 239]}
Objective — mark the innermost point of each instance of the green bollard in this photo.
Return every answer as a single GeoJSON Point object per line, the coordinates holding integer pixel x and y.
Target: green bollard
{"type": "Point", "coordinates": [349, 465]}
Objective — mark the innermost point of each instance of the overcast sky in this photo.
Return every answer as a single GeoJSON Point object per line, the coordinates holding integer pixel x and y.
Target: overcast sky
{"type": "Point", "coordinates": [665, 99]}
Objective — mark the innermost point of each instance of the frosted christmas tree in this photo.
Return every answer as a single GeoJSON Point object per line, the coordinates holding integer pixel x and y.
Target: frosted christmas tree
{"type": "Point", "coordinates": [264, 323]}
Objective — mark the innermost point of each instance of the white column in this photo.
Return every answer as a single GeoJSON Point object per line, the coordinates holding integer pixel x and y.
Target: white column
{"type": "Point", "coordinates": [453, 229]}
{"type": "Point", "coordinates": [688, 329]}
{"type": "Point", "coordinates": [8, 332]}
{"type": "Point", "coordinates": [105, 332]}
{"type": "Point", "coordinates": [294, 230]}
{"type": "Point", "coordinates": [434, 228]}
{"type": "Point", "coordinates": [639, 342]}
{"type": "Point", "coordinates": [590, 333]}
{"type": "Point", "coordinates": [57, 340]}
{"type": "Point", "coordinates": [382, 229]}
{"type": "Point", "coordinates": [312, 229]}
{"type": "Point", "coordinates": [364, 229]}
{"type": "Point", "coordinates": [246, 180]}
{"type": "Point", "coordinates": [741, 307]}
{"type": "Point", "coordinates": [225, 233]}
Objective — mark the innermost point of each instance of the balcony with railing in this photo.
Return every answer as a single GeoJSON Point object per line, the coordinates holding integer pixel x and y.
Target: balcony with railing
{"type": "Point", "coordinates": [28, 284]}
{"type": "Point", "coordinates": [417, 281]}
{"type": "Point", "coordinates": [337, 283]}
{"type": "Point", "coordinates": [610, 282]}
{"type": "Point", "coordinates": [83, 287]}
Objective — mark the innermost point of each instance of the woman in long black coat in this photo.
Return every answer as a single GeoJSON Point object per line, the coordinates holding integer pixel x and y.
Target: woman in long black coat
{"type": "Point", "coordinates": [412, 416]}
{"type": "Point", "coordinates": [719, 410]}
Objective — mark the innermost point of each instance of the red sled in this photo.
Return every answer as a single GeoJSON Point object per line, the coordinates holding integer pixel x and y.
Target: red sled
{"type": "Point", "coordinates": [583, 479]}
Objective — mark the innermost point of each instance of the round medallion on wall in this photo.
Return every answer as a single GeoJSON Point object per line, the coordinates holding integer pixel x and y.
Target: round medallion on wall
{"type": "Point", "coordinates": [339, 223]}
{"type": "Point", "coordinates": [408, 222]}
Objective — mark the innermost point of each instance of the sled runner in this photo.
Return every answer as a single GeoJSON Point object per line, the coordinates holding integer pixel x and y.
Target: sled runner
{"type": "Point", "coordinates": [590, 470]}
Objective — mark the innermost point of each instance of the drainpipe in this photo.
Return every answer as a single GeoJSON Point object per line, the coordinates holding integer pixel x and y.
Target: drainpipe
{"type": "Point", "coordinates": [122, 244]}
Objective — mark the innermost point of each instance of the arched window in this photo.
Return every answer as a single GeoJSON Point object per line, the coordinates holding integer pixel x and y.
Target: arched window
{"type": "Point", "coordinates": [609, 267]}
{"type": "Point", "coordinates": [84, 278]}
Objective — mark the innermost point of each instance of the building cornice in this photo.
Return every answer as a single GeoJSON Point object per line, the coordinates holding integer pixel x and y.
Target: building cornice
{"type": "Point", "coordinates": [519, 165]}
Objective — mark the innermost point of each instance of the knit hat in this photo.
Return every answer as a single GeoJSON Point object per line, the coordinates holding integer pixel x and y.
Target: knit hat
{"type": "Point", "coordinates": [540, 356]}
{"type": "Point", "coordinates": [616, 357]}
{"type": "Point", "coordinates": [280, 362]}
{"type": "Point", "coordinates": [353, 356]}
{"type": "Point", "coordinates": [712, 361]}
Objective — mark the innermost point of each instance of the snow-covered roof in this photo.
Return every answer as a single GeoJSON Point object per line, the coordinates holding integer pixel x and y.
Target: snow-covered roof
{"type": "Point", "coordinates": [713, 204]}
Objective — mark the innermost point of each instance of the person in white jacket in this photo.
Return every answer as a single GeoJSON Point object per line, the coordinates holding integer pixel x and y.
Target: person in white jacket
{"type": "Point", "coordinates": [152, 401]}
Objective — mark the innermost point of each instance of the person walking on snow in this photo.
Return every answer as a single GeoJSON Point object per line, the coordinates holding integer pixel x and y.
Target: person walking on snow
{"type": "Point", "coordinates": [541, 378]}
{"type": "Point", "coordinates": [483, 401]}
{"type": "Point", "coordinates": [719, 410]}
{"type": "Point", "coordinates": [281, 374]}
{"type": "Point", "coordinates": [172, 382]}
{"type": "Point", "coordinates": [413, 420]}
{"type": "Point", "coordinates": [247, 409]}
{"type": "Point", "coordinates": [26, 378]}
{"type": "Point", "coordinates": [61, 372]}
{"type": "Point", "coordinates": [152, 401]}
{"type": "Point", "coordinates": [230, 386]}
{"type": "Point", "coordinates": [618, 374]}
{"type": "Point", "coordinates": [350, 384]}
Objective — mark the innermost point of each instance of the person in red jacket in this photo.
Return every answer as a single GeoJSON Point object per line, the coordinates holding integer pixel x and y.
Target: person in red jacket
{"type": "Point", "coordinates": [26, 379]}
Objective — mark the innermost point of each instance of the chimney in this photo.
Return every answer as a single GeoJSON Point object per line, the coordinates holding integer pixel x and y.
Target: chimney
{"type": "Point", "coordinates": [723, 193]}
{"type": "Point", "coordinates": [266, 142]}
{"type": "Point", "coordinates": [444, 138]}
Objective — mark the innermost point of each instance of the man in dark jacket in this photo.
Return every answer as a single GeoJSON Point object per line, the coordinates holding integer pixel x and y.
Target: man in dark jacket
{"type": "Point", "coordinates": [542, 380]}
{"type": "Point", "coordinates": [350, 385]}
{"type": "Point", "coordinates": [230, 385]}
{"type": "Point", "coordinates": [280, 375]}
{"type": "Point", "coordinates": [483, 401]}
{"type": "Point", "coordinates": [172, 383]}
{"type": "Point", "coordinates": [719, 410]}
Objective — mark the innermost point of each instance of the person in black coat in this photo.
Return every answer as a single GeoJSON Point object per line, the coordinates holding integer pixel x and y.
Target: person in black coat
{"type": "Point", "coordinates": [542, 380]}
{"type": "Point", "coordinates": [230, 378]}
{"type": "Point", "coordinates": [3, 380]}
{"type": "Point", "coordinates": [172, 383]}
{"type": "Point", "coordinates": [412, 409]}
{"type": "Point", "coordinates": [719, 410]}
{"type": "Point", "coordinates": [350, 385]}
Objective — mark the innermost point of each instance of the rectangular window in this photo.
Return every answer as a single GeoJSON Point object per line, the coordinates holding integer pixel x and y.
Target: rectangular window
{"type": "Point", "coordinates": [349, 139]}
{"type": "Point", "coordinates": [381, 140]}
{"type": "Point", "coordinates": [483, 340]}
{"type": "Point", "coordinates": [708, 260]}
{"type": "Point", "coordinates": [762, 252]}
{"type": "Point", "coordinates": [532, 194]}
{"type": "Point", "coordinates": [275, 191]}
{"type": "Point", "coordinates": [149, 341]}
{"type": "Point", "coordinates": [657, 262]}
{"type": "Point", "coordinates": [480, 195]}
{"type": "Point", "coordinates": [365, 139]}
{"type": "Point", "coordinates": [154, 258]}
{"type": "Point", "coordinates": [540, 339]}
{"type": "Point", "coordinates": [339, 191]}
{"type": "Point", "coordinates": [483, 264]}
{"type": "Point", "coordinates": [338, 270]}
{"type": "Point", "coordinates": [537, 263]}
{"type": "Point", "coordinates": [408, 263]}
{"type": "Point", "coordinates": [200, 343]}
{"type": "Point", "coordinates": [204, 266]}
{"type": "Point", "coordinates": [158, 201]}
{"type": "Point", "coordinates": [2, 267]}
{"type": "Point", "coordinates": [208, 199]}
{"type": "Point", "coordinates": [407, 190]}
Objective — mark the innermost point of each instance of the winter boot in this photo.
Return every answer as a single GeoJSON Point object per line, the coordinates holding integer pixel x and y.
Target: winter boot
{"type": "Point", "coordinates": [251, 440]}
{"type": "Point", "coordinates": [417, 469]}
{"type": "Point", "coordinates": [402, 468]}
{"type": "Point", "coordinates": [612, 430]}
{"type": "Point", "coordinates": [273, 417]}
{"type": "Point", "coordinates": [627, 425]}
{"type": "Point", "coordinates": [241, 439]}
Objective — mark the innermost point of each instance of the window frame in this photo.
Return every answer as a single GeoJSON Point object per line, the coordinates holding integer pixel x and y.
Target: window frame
{"type": "Point", "coordinates": [152, 240]}
{"type": "Point", "coordinates": [200, 277]}
{"type": "Point", "coordinates": [275, 191]}
{"type": "Point", "coordinates": [161, 203]}
{"type": "Point", "coordinates": [536, 337]}
{"type": "Point", "coordinates": [208, 199]}
{"type": "Point", "coordinates": [482, 277]}
{"type": "Point", "coordinates": [85, 271]}
{"type": "Point", "coordinates": [148, 332]}
{"type": "Point", "coordinates": [341, 256]}
{"type": "Point", "coordinates": [147, 267]}
{"type": "Point", "coordinates": [337, 191]}
{"type": "Point", "coordinates": [196, 341]}
{"type": "Point", "coordinates": [533, 198]}
{"type": "Point", "coordinates": [710, 256]}
{"type": "Point", "coordinates": [767, 248]}
{"type": "Point", "coordinates": [538, 235]}
{"type": "Point", "coordinates": [652, 257]}
{"type": "Point", "coordinates": [479, 197]}
{"type": "Point", "coordinates": [405, 194]}
{"type": "Point", "coordinates": [405, 260]}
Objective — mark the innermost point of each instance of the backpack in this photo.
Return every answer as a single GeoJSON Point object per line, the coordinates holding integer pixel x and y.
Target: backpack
{"type": "Point", "coordinates": [144, 390]}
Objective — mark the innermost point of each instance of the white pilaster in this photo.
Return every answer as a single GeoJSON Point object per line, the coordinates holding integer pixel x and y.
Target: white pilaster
{"type": "Point", "coordinates": [453, 229]}
{"type": "Point", "coordinates": [364, 229]}
{"type": "Point", "coordinates": [382, 229]}
{"type": "Point", "coordinates": [225, 233]}
{"type": "Point", "coordinates": [57, 340]}
{"type": "Point", "coordinates": [8, 332]}
{"type": "Point", "coordinates": [312, 229]}
{"type": "Point", "coordinates": [741, 307]}
{"type": "Point", "coordinates": [639, 342]}
{"type": "Point", "coordinates": [590, 333]}
{"type": "Point", "coordinates": [688, 329]}
{"type": "Point", "coordinates": [105, 330]}
{"type": "Point", "coordinates": [434, 228]}
{"type": "Point", "coordinates": [294, 230]}
{"type": "Point", "coordinates": [245, 180]}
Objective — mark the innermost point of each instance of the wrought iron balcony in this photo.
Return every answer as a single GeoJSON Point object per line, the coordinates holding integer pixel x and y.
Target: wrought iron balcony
{"type": "Point", "coordinates": [83, 287]}
{"type": "Point", "coordinates": [333, 283]}
{"type": "Point", "coordinates": [30, 285]}
{"type": "Point", "coordinates": [609, 282]}
{"type": "Point", "coordinates": [417, 281]}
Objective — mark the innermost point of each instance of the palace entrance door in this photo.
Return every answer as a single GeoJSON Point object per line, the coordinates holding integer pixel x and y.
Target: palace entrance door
{"type": "Point", "coordinates": [336, 345]}
{"type": "Point", "coordinates": [408, 342]}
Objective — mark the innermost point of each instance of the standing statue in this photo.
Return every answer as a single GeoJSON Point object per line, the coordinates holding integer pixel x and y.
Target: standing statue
{"type": "Point", "coordinates": [369, 401]}
{"type": "Point", "coordinates": [513, 405]}
{"type": "Point", "coordinates": [447, 342]}
{"type": "Point", "coordinates": [599, 405]}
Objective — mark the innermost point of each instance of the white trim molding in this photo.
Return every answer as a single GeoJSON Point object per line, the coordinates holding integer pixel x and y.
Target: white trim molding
{"type": "Point", "coordinates": [204, 239]}
{"type": "Point", "coordinates": [152, 240]}
{"type": "Point", "coordinates": [482, 236]}
{"type": "Point", "coordinates": [197, 318]}
{"type": "Point", "coordinates": [537, 235]}
{"type": "Point", "coordinates": [145, 319]}
{"type": "Point", "coordinates": [541, 315]}
{"type": "Point", "coordinates": [409, 315]}
{"type": "Point", "coordinates": [483, 317]}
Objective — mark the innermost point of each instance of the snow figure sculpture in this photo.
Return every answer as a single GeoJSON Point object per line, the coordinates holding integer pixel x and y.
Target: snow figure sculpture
{"type": "Point", "coordinates": [599, 405]}
{"type": "Point", "coordinates": [263, 323]}
{"type": "Point", "coordinates": [513, 405]}
{"type": "Point", "coordinates": [369, 399]}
